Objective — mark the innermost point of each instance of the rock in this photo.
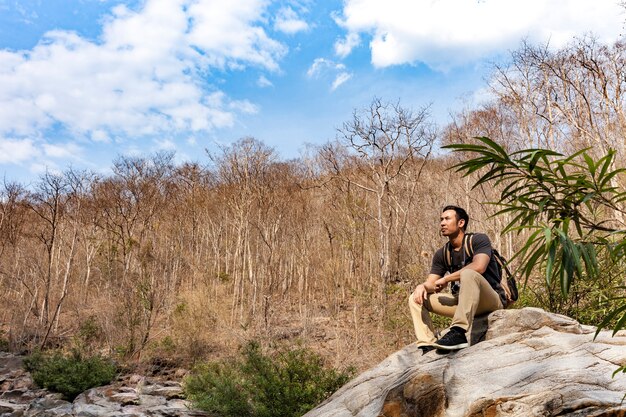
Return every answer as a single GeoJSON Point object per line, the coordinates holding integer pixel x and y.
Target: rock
{"type": "Point", "coordinates": [100, 397]}
{"type": "Point", "coordinates": [134, 396]}
{"type": "Point", "coordinates": [22, 380]}
{"type": "Point", "coordinates": [14, 394]}
{"type": "Point", "coordinates": [49, 407]}
{"type": "Point", "coordinates": [169, 393]}
{"type": "Point", "coordinates": [7, 407]}
{"type": "Point", "coordinates": [530, 363]}
{"type": "Point", "coordinates": [150, 401]}
{"type": "Point", "coordinates": [136, 379]}
{"type": "Point", "coordinates": [92, 410]}
{"type": "Point", "coordinates": [126, 398]}
{"type": "Point", "coordinates": [173, 391]}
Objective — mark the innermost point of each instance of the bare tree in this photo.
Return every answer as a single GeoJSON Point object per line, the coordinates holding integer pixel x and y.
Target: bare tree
{"type": "Point", "coordinates": [48, 204]}
{"type": "Point", "coordinates": [245, 167]}
{"type": "Point", "coordinates": [565, 99]}
{"type": "Point", "coordinates": [388, 143]}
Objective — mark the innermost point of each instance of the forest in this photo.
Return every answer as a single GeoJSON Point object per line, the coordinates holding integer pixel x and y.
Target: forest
{"type": "Point", "coordinates": [186, 262]}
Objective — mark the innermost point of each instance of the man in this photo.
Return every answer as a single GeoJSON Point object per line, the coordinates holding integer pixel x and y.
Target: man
{"type": "Point", "coordinates": [475, 282]}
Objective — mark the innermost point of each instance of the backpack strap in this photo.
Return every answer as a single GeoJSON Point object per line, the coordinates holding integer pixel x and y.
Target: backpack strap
{"type": "Point", "coordinates": [447, 256]}
{"type": "Point", "coordinates": [468, 247]}
{"type": "Point", "coordinates": [503, 264]}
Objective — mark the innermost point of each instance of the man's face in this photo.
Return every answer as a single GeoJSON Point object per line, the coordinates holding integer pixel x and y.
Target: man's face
{"type": "Point", "coordinates": [449, 224]}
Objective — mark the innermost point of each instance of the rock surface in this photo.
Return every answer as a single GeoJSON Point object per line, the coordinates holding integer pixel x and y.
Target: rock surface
{"type": "Point", "coordinates": [136, 396]}
{"type": "Point", "coordinates": [528, 363]}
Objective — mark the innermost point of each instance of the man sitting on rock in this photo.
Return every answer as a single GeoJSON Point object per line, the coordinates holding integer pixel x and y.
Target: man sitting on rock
{"type": "Point", "coordinates": [475, 279]}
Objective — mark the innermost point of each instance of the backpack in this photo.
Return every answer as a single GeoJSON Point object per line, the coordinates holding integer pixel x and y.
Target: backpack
{"type": "Point", "coordinates": [508, 282]}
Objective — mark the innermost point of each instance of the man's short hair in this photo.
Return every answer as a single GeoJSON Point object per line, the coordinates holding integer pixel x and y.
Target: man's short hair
{"type": "Point", "coordinates": [460, 214]}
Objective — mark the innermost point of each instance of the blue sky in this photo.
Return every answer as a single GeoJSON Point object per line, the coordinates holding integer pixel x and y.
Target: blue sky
{"type": "Point", "coordinates": [84, 81]}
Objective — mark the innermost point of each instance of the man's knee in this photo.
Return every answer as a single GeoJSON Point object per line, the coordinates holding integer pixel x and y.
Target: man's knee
{"type": "Point", "coordinates": [470, 275]}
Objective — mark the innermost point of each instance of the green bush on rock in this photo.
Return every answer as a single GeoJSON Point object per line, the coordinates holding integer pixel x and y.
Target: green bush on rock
{"type": "Point", "coordinates": [287, 384]}
{"type": "Point", "coordinates": [71, 374]}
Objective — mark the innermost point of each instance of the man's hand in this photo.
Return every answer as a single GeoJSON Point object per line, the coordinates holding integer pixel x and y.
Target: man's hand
{"type": "Point", "coordinates": [440, 284]}
{"type": "Point", "coordinates": [420, 294]}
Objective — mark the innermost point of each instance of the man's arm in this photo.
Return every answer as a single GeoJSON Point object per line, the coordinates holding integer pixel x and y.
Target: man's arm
{"type": "Point", "coordinates": [429, 286]}
{"type": "Point", "coordinates": [479, 264]}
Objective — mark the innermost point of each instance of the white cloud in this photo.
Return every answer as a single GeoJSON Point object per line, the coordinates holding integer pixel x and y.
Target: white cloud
{"type": "Point", "coordinates": [324, 68]}
{"type": "Point", "coordinates": [264, 82]}
{"type": "Point", "coordinates": [343, 47]}
{"type": "Point", "coordinates": [340, 79]}
{"type": "Point", "coordinates": [40, 168]}
{"type": "Point", "coordinates": [164, 145]}
{"type": "Point", "coordinates": [36, 156]}
{"type": "Point", "coordinates": [149, 73]}
{"type": "Point", "coordinates": [322, 65]}
{"type": "Point", "coordinates": [444, 33]}
{"type": "Point", "coordinates": [17, 150]}
{"type": "Point", "coordinates": [100, 136]}
{"type": "Point", "coordinates": [64, 151]}
{"type": "Point", "coordinates": [227, 34]}
{"type": "Point", "coordinates": [244, 106]}
{"type": "Point", "coordinates": [288, 21]}
{"type": "Point", "coordinates": [315, 68]}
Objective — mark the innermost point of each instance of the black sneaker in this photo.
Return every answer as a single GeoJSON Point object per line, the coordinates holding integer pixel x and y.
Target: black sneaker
{"type": "Point", "coordinates": [453, 340]}
{"type": "Point", "coordinates": [426, 348]}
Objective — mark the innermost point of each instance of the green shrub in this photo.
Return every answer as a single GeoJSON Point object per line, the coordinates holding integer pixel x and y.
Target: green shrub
{"type": "Point", "coordinates": [69, 375]}
{"type": "Point", "coordinates": [287, 384]}
{"type": "Point", "coordinates": [219, 388]}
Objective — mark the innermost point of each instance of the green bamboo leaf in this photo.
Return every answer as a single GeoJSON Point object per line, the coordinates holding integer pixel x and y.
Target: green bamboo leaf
{"type": "Point", "coordinates": [579, 228]}
{"type": "Point", "coordinates": [534, 160]}
{"type": "Point", "coordinates": [570, 262]}
{"type": "Point", "coordinates": [561, 171]}
{"type": "Point", "coordinates": [499, 149]}
{"type": "Point", "coordinates": [513, 222]}
{"type": "Point", "coordinates": [607, 162]}
{"type": "Point", "coordinates": [606, 179]}
{"type": "Point", "coordinates": [576, 259]}
{"type": "Point", "coordinates": [588, 197]}
{"type": "Point", "coordinates": [619, 325]}
{"type": "Point", "coordinates": [512, 189]}
{"type": "Point", "coordinates": [561, 272]}
{"type": "Point", "coordinates": [533, 260]}
{"type": "Point", "coordinates": [570, 158]}
{"type": "Point", "coordinates": [551, 259]}
{"type": "Point", "coordinates": [591, 260]}
{"type": "Point", "coordinates": [617, 371]}
{"type": "Point", "coordinates": [591, 166]}
{"type": "Point", "coordinates": [491, 175]}
{"type": "Point", "coordinates": [612, 314]}
{"type": "Point", "coordinates": [465, 147]}
{"type": "Point", "coordinates": [530, 152]}
{"type": "Point", "coordinates": [587, 262]}
{"type": "Point", "coordinates": [531, 246]}
{"type": "Point", "coordinates": [566, 277]}
{"type": "Point", "coordinates": [547, 232]}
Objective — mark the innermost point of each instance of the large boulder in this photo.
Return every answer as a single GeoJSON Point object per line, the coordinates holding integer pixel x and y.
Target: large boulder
{"type": "Point", "coordinates": [524, 362]}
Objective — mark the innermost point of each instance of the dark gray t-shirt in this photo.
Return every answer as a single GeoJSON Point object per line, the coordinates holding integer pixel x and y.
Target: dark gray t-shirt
{"type": "Point", "coordinates": [480, 244]}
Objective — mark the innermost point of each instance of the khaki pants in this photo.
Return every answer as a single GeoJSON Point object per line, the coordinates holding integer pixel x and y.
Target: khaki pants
{"type": "Point", "coordinates": [475, 297]}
